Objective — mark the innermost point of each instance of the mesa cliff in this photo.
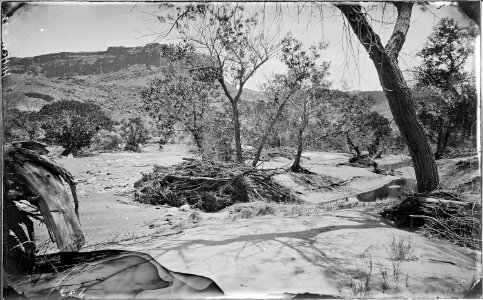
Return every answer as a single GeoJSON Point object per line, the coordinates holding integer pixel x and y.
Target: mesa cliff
{"type": "Point", "coordinates": [66, 64]}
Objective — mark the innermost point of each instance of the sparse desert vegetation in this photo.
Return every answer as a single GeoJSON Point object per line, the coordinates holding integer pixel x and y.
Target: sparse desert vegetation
{"type": "Point", "coordinates": [185, 170]}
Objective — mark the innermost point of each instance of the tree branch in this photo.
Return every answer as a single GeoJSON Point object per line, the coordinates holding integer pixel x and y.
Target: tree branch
{"type": "Point", "coordinates": [401, 28]}
{"type": "Point", "coordinates": [361, 27]}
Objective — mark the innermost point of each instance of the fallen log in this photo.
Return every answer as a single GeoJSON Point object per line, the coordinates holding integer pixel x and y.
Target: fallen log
{"type": "Point", "coordinates": [193, 178]}
{"type": "Point", "coordinates": [434, 200]}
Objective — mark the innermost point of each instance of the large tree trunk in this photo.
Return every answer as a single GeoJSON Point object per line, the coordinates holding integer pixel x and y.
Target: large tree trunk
{"type": "Point", "coordinates": [395, 87]}
{"type": "Point", "coordinates": [440, 142]}
{"type": "Point", "coordinates": [447, 135]}
{"type": "Point", "coordinates": [198, 138]}
{"type": "Point", "coordinates": [374, 147]}
{"type": "Point", "coordinates": [471, 9]}
{"type": "Point", "coordinates": [352, 146]}
{"type": "Point", "coordinates": [296, 164]}
{"type": "Point", "coordinates": [236, 128]}
{"type": "Point", "coordinates": [236, 117]}
{"type": "Point", "coordinates": [267, 133]}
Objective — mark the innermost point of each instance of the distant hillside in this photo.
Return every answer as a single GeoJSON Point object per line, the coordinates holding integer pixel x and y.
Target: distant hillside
{"type": "Point", "coordinates": [113, 79]}
{"type": "Point", "coordinates": [380, 101]}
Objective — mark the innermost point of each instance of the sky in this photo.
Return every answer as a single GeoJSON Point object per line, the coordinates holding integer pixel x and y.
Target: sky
{"type": "Point", "coordinates": [43, 28]}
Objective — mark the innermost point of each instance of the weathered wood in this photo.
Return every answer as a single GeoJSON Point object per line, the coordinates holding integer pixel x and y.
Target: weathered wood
{"type": "Point", "coordinates": [54, 205]}
{"type": "Point", "coordinates": [194, 178]}
{"type": "Point", "coordinates": [434, 200]}
{"type": "Point", "coordinates": [22, 154]}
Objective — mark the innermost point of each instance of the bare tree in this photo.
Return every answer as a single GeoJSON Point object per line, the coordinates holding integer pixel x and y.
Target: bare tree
{"type": "Point", "coordinates": [309, 103]}
{"type": "Point", "coordinates": [301, 65]}
{"type": "Point", "coordinates": [236, 46]}
{"type": "Point", "coordinates": [385, 59]}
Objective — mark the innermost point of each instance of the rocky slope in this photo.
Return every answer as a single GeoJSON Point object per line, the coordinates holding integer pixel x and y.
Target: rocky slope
{"type": "Point", "coordinates": [112, 79]}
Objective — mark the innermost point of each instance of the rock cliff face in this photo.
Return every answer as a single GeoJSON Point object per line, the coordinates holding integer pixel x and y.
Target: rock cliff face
{"type": "Point", "coordinates": [84, 63]}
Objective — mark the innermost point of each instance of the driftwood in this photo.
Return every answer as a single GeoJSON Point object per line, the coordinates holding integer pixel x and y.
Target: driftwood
{"type": "Point", "coordinates": [456, 221]}
{"type": "Point", "coordinates": [23, 154]}
{"type": "Point", "coordinates": [44, 178]}
{"type": "Point", "coordinates": [54, 204]}
{"type": "Point", "coordinates": [210, 186]}
{"type": "Point", "coordinates": [434, 200]}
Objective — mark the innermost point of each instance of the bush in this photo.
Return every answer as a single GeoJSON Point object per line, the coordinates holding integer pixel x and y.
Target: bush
{"type": "Point", "coordinates": [21, 125]}
{"type": "Point", "coordinates": [250, 210]}
{"type": "Point", "coordinates": [106, 141]}
{"type": "Point", "coordinates": [72, 124]}
{"type": "Point", "coordinates": [134, 132]}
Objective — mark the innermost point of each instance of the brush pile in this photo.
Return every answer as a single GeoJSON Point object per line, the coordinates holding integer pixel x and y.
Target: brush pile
{"type": "Point", "coordinates": [210, 186]}
{"type": "Point", "coordinates": [446, 217]}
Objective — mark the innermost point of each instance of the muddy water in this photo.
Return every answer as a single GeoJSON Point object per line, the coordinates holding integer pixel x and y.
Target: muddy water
{"type": "Point", "coordinates": [391, 190]}
{"type": "Point", "coordinates": [396, 165]}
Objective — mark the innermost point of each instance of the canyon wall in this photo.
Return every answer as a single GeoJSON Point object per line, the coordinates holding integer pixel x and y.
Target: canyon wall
{"type": "Point", "coordinates": [83, 63]}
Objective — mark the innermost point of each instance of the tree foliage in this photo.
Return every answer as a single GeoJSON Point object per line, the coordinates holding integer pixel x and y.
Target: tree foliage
{"type": "Point", "coordinates": [373, 130]}
{"type": "Point", "coordinates": [184, 99]}
{"type": "Point", "coordinates": [72, 124]}
{"type": "Point", "coordinates": [445, 54]}
{"type": "Point", "coordinates": [235, 45]}
{"type": "Point", "coordinates": [22, 125]}
{"type": "Point", "coordinates": [303, 71]}
{"type": "Point", "coordinates": [445, 91]}
{"type": "Point", "coordinates": [311, 100]}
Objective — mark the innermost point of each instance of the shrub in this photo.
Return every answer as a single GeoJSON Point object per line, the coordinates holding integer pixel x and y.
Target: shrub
{"type": "Point", "coordinates": [134, 132]}
{"type": "Point", "coordinates": [72, 124]}
{"type": "Point", "coordinates": [105, 140]}
{"type": "Point", "coordinates": [21, 125]}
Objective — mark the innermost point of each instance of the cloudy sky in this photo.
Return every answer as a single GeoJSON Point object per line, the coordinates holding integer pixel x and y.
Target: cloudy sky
{"type": "Point", "coordinates": [56, 27]}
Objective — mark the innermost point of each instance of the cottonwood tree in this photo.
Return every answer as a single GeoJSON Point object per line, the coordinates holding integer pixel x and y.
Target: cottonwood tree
{"type": "Point", "coordinates": [372, 129]}
{"type": "Point", "coordinates": [301, 64]}
{"type": "Point", "coordinates": [442, 81]}
{"type": "Point", "coordinates": [236, 46]}
{"type": "Point", "coordinates": [182, 98]}
{"type": "Point", "coordinates": [311, 100]}
{"type": "Point", "coordinates": [385, 59]}
{"type": "Point", "coordinates": [342, 120]}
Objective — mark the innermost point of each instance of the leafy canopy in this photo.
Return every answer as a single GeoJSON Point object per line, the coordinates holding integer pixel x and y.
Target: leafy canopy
{"type": "Point", "coordinates": [72, 124]}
